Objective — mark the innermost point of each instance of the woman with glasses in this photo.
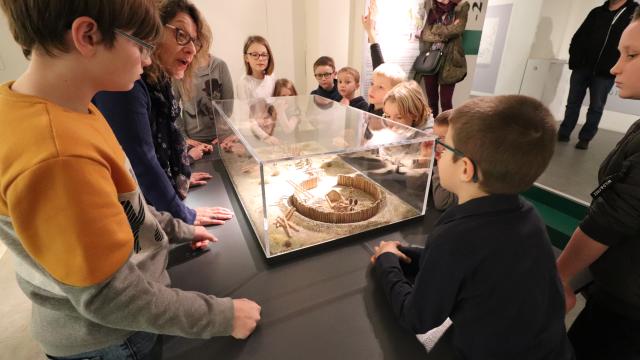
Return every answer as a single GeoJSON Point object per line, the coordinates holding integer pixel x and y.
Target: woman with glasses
{"type": "Point", "coordinates": [258, 81]}
{"type": "Point", "coordinates": [143, 119]}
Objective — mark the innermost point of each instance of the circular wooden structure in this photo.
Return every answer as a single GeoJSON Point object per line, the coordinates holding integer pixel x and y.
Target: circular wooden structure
{"type": "Point", "coordinates": [335, 217]}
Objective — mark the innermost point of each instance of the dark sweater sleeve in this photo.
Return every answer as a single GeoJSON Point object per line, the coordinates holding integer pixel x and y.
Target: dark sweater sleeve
{"type": "Point", "coordinates": [359, 103]}
{"type": "Point", "coordinates": [578, 41]}
{"type": "Point", "coordinates": [429, 301]}
{"type": "Point", "coordinates": [415, 253]}
{"type": "Point", "coordinates": [128, 115]}
{"type": "Point", "coordinates": [615, 215]}
{"type": "Point", "coordinates": [376, 55]}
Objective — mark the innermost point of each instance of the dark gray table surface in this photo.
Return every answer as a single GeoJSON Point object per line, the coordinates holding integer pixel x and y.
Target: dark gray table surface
{"type": "Point", "coordinates": [320, 303]}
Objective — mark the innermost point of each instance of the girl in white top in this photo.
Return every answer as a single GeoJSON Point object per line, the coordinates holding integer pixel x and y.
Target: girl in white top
{"type": "Point", "coordinates": [258, 81]}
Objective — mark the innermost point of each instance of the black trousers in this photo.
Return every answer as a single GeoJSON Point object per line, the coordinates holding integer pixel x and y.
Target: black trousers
{"type": "Point", "coordinates": [601, 334]}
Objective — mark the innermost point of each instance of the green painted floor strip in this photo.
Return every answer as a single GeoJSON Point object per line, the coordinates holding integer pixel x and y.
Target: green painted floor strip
{"type": "Point", "coordinates": [561, 215]}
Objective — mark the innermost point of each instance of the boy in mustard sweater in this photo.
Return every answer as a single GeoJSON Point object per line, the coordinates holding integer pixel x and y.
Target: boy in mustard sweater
{"type": "Point", "coordinates": [89, 252]}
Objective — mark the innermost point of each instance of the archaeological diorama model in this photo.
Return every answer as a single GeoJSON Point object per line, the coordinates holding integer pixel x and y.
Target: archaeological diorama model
{"type": "Point", "coordinates": [309, 170]}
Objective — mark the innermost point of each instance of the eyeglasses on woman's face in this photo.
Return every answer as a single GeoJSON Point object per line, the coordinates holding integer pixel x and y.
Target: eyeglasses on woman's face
{"type": "Point", "coordinates": [183, 38]}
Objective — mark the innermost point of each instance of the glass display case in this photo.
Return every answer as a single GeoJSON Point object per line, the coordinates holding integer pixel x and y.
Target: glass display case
{"type": "Point", "coordinates": [308, 170]}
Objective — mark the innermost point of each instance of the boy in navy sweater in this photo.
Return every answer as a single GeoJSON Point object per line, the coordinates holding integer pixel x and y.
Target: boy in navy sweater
{"type": "Point", "coordinates": [324, 70]}
{"type": "Point", "coordinates": [488, 264]}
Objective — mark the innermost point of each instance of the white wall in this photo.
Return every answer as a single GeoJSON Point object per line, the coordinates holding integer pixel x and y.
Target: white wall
{"type": "Point", "coordinates": [520, 37]}
{"type": "Point", "coordinates": [551, 29]}
{"type": "Point", "coordinates": [12, 62]}
{"type": "Point", "coordinates": [298, 32]}
{"type": "Point", "coordinates": [558, 22]}
{"type": "Point", "coordinates": [232, 22]}
{"type": "Point", "coordinates": [328, 25]}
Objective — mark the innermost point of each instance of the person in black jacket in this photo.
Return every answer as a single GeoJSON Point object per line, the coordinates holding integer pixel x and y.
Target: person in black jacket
{"type": "Point", "coordinates": [608, 239]}
{"type": "Point", "coordinates": [592, 53]}
{"type": "Point", "coordinates": [488, 264]}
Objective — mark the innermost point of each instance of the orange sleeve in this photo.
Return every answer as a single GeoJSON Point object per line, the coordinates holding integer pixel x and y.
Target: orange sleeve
{"type": "Point", "coordinates": [66, 213]}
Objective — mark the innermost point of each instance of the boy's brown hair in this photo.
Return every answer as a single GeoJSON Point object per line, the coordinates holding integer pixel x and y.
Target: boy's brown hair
{"type": "Point", "coordinates": [636, 14]}
{"type": "Point", "coordinates": [510, 138]}
{"type": "Point", "coordinates": [43, 24]}
{"type": "Point", "coordinates": [351, 71]}
{"type": "Point", "coordinates": [443, 118]}
{"type": "Point", "coordinates": [284, 84]}
{"type": "Point", "coordinates": [324, 61]}
{"type": "Point", "coordinates": [262, 41]}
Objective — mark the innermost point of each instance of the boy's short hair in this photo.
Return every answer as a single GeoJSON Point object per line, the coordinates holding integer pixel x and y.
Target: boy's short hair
{"type": "Point", "coordinates": [392, 72]}
{"type": "Point", "coordinates": [351, 71]}
{"type": "Point", "coordinates": [324, 61]}
{"type": "Point", "coordinates": [43, 24]}
{"type": "Point", "coordinates": [443, 118]}
{"type": "Point", "coordinates": [510, 138]}
{"type": "Point", "coordinates": [410, 100]}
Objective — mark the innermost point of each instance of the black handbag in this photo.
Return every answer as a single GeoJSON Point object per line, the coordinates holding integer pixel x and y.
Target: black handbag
{"type": "Point", "coordinates": [430, 60]}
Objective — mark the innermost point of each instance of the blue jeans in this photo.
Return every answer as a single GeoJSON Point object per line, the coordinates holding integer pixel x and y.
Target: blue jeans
{"type": "Point", "coordinates": [136, 347]}
{"type": "Point", "coordinates": [599, 87]}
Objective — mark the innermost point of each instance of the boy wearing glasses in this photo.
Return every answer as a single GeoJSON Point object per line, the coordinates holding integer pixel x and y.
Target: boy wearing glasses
{"type": "Point", "coordinates": [442, 198]}
{"type": "Point", "coordinates": [89, 252]}
{"type": "Point", "coordinates": [324, 70]}
{"type": "Point", "coordinates": [488, 264]}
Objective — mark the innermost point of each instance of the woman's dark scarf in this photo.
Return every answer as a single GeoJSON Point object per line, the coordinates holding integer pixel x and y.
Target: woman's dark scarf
{"type": "Point", "coordinates": [438, 10]}
{"type": "Point", "coordinates": [171, 148]}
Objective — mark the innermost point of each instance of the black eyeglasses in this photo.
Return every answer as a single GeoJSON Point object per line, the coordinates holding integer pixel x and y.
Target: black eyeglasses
{"type": "Point", "coordinates": [183, 38]}
{"type": "Point", "coordinates": [323, 75]}
{"type": "Point", "coordinates": [440, 146]}
{"type": "Point", "coordinates": [258, 56]}
{"type": "Point", "coordinates": [145, 48]}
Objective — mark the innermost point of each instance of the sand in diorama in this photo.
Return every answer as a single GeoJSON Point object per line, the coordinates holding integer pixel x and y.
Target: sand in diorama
{"type": "Point", "coordinates": [312, 200]}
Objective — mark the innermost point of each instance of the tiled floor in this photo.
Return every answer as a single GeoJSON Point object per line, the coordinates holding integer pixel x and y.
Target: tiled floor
{"type": "Point", "coordinates": [575, 172]}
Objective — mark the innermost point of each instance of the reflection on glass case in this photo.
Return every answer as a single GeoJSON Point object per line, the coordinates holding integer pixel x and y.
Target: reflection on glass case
{"type": "Point", "coordinates": [309, 170]}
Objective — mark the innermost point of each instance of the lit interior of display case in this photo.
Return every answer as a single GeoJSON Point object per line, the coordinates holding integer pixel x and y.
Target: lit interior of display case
{"type": "Point", "coordinates": [309, 170]}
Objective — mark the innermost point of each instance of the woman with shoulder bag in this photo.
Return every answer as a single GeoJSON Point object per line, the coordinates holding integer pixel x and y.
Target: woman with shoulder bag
{"type": "Point", "coordinates": [446, 21]}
